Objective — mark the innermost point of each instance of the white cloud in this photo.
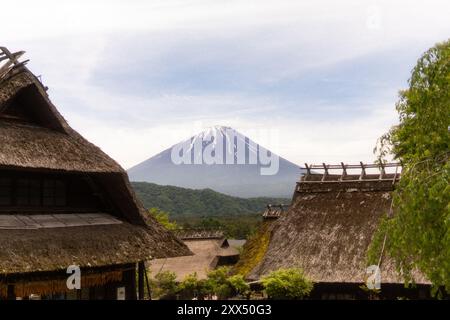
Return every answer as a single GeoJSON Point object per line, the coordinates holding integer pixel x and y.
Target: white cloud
{"type": "Point", "coordinates": [69, 41]}
{"type": "Point", "coordinates": [299, 141]}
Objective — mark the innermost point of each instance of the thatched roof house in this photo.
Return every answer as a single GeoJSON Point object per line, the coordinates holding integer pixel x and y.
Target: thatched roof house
{"type": "Point", "coordinates": [211, 250]}
{"type": "Point", "coordinates": [64, 202]}
{"type": "Point", "coordinates": [327, 231]}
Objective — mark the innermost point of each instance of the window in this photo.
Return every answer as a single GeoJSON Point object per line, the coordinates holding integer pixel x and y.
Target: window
{"type": "Point", "coordinates": [32, 191]}
{"type": "Point", "coordinates": [5, 191]}
{"type": "Point", "coordinates": [54, 193]}
{"type": "Point", "coordinates": [28, 192]}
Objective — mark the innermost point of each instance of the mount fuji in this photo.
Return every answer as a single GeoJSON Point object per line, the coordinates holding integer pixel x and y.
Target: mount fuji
{"type": "Point", "coordinates": [224, 160]}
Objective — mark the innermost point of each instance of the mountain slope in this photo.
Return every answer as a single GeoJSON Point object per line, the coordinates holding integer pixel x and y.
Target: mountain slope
{"type": "Point", "coordinates": [187, 202]}
{"type": "Point", "coordinates": [223, 160]}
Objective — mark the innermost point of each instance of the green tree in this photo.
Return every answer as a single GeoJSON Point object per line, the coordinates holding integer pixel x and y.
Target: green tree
{"type": "Point", "coordinates": [238, 284]}
{"type": "Point", "coordinates": [192, 287]}
{"type": "Point", "coordinates": [216, 282]}
{"type": "Point", "coordinates": [165, 285]}
{"type": "Point", "coordinates": [163, 218]}
{"type": "Point", "coordinates": [287, 284]}
{"type": "Point", "coordinates": [418, 234]}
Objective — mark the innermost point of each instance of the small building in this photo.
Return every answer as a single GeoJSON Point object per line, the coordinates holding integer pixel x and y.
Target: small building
{"type": "Point", "coordinates": [211, 250]}
{"type": "Point", "coordinates": [327, 231]}
{"type": "Point", "coordinates": [64, 202]}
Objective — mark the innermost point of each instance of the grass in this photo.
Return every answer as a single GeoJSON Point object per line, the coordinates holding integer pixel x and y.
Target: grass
{"type": "Point", "coordinates": [254, 250]}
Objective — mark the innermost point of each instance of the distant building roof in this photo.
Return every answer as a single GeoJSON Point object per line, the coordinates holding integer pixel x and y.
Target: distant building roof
{"type": "Point", "coordinates": [209, 253]}
{"type": "Point", "coordinates": [186, 234]}
{"type": "Point", "coordinates": [237, 243]}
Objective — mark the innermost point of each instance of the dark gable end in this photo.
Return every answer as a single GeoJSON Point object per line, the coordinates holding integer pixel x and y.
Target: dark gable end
{"type": "Point", "coordinates": [24, 99]}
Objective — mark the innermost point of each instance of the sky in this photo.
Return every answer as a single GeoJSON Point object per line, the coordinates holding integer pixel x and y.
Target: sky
{"type": "Point", "coordinates": [313, 81]}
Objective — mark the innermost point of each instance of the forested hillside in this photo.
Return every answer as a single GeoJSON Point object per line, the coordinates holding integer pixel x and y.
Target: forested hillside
{"type": "Point", "coordinates": [179, 202]}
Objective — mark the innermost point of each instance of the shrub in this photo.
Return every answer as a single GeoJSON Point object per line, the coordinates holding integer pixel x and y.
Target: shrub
{"type": "Point", "coordinates": [287, 284]}
{"type": "Point", "coordinates": [216, 283]}
{"type": "Point", "coordinates": [238, 284]}
{"type": "Point", "coordinates": [164, 285]}
{"type": "Point", "coordinates": [192, 287]}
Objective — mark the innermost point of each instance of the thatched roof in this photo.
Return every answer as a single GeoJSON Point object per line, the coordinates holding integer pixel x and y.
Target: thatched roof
{"type": "Point", "coordinates": [50, 144]}
{"type": "Point", "coordinates": [207, 256]}
{"type": "Point", "coordinates": [27, 146]}
{"type": "Point", "coordinates": [190, 234]}
{"type": "Point", "coordinates": [48, 249]}
{"type": "Point", "coordinates": [328, 229]}
{"type": "Point", "coordinates": [237, 243]}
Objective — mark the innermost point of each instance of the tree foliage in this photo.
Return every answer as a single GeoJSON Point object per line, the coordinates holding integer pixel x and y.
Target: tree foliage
{"type": "Point", "coordinates": [192, 287]}
{"type": "Point", "coordinates": [164, 285]}
{"type": "Point", "coordinates": [287, 284]}
{"type": "Point", "coordinates": [163, 218]}
{"type": "Point", "coordinates": [238, 218]}
{"type": "Point", "coordinates": [218, 282]}
{"type": "Point", "coordinates": [182, 202]}
{"type": "Point", "coordinates": [418, 234]}
{"type": "Point", "coordinates": [239, 285]}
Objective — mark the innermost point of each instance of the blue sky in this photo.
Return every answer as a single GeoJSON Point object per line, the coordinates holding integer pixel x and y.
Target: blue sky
{"type": "Point", "coordinates": [314, 81]}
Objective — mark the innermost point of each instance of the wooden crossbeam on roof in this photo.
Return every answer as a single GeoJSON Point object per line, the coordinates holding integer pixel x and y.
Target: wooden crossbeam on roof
{"type": "Point", "coordinates": [9, 60]}
{"type": "Point", "coordinates": [353, 166]}
{"type": "Point", "coordinates": [323, 173]}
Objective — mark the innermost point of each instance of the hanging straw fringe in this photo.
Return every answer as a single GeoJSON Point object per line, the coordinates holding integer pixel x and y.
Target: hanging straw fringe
{"type": "Point", "coordinates": [44, 287]}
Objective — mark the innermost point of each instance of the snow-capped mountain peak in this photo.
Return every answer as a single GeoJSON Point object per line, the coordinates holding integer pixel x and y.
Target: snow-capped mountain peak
{"type": "Point", "coordinates": [223, 159]}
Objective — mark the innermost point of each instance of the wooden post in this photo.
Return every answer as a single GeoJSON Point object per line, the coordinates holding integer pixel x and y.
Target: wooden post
{"type": "Point", "coordinates": [308, 170]}
{"type": "Point", "coordinates": [129, 280]}
{"type": "Point", "coordinates": [141, 272]}
{"type": "Point", "coordinates": [344, 171]}
{"type": "Point", "coordinates": [325, 172]}
{"type": "Point", "coordinates": [363, 171]}
{"type": "Point", "coordinates": [395, 175]}
{"type": "Point", "coordinates": [148, 286]}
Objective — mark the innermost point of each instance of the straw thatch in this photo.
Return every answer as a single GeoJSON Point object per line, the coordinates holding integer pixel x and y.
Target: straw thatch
{"type": "Point", "coordinates": [58, 284]}
{"type": "Point", "coordinates": [51, 145]}
{"type": "Point", "coordinates": [27, 146]}
{"type": "Point", "coordinates": [209, 253]}
{"type": "Point", "coordinates": [327, 231]}
{"type": "Point", "coordinates": [47, 249]}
